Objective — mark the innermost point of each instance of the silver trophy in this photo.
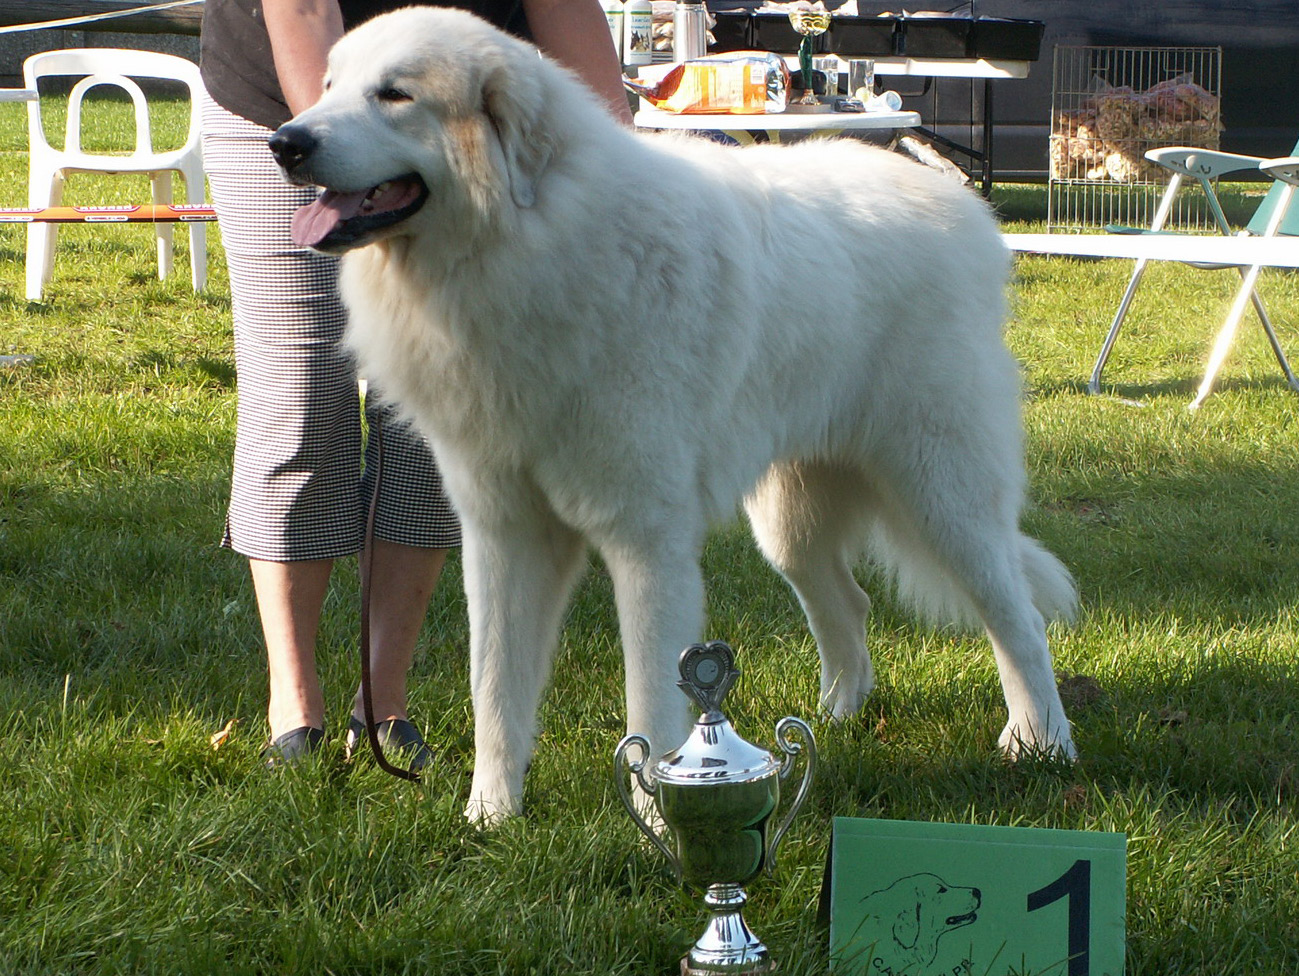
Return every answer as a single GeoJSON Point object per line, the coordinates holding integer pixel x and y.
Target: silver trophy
{"type": "Point", "coordinates": [717, 795]}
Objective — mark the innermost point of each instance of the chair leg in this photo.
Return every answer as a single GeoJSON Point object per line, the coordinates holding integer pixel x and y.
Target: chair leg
{"type": "Point", "coordinates": [1277, 351]}
{"type": "Point", "coordinates": [1094, 384]}
{"type": "Point", "coordinates": [161, 186]}
{"type": "Point", "coordinates": [40, 250]}
{"type": "Point", "coordinates": [1272, 339]}
{"type": "Point", "coordinates": [198, 255]}
{"type": "Point", "coordinates": [1222, 344]}
{"type": "Point", "coordinates": [1227, 334]}
{"type": "Point", "coordinates": [41, 237]}
{"type": "Point", "coordinates": [195, 189]}
{"type": "Point", "coordinates": [1156, 224]}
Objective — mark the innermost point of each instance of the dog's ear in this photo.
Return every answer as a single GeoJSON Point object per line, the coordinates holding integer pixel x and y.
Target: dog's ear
{"type": "Point", "coordinates": [906, 927]}
{"type": "Point", "coordinates": [516, 105]}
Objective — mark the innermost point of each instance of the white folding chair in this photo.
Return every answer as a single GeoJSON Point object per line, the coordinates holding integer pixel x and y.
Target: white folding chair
{"type": "Point", "coordinates": [49, 167]}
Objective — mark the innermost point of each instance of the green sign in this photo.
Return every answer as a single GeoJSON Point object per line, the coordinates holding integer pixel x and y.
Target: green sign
{"type": "Point", "coordinates": [930, 899]}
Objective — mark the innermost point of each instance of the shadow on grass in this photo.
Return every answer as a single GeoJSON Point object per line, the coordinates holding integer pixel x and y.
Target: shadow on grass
{"type": "Point", "coordinates": [218, 369]}
{"type": "Point", "coordinates": [167, 360]}
{"type": "Point", "coordinates": [1172, 565]}
{"type": "Point", "coordinates": [1185, 386]}
{"type": "Point", "coordinates": [1213, 734]}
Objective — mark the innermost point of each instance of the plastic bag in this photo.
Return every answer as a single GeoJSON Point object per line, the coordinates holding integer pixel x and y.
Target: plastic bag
{"type": "Point", "coordinates": [735, 83]}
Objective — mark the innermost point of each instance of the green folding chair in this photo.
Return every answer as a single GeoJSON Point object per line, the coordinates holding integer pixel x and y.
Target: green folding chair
{"type": "Point", "coordinates": [1274, 217]}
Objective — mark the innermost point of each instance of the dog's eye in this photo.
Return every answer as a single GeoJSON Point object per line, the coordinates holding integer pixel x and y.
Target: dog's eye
{"type": "Point", "coordinates": [391, 94]}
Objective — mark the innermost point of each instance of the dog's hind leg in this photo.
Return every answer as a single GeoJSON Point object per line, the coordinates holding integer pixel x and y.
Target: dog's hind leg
{"type": "Point", "coordinates": [950, 533]}
{"type": "Point", "coordinates": [810, 521]}
{"type": "Point", "coordinates": [1036, 718]}
{"type": "Point", "coordinates": [518, 576]}
{"type": "Point", "coordinates": [1018, 633]}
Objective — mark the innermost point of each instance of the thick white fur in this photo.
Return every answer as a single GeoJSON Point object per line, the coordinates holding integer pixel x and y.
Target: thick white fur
{"type": "Point", "coordinates": [611, 339]}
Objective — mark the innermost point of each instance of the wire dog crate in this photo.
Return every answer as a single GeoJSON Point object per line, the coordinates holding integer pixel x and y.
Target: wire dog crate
{"type": "Point", "coordinates": [1109, 105]}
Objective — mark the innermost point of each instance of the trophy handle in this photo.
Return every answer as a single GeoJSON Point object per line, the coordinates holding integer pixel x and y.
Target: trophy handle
{"type": "Point", "coordinates": [792, 749]}
{"type": "Point", "coordinates": [637, 767]}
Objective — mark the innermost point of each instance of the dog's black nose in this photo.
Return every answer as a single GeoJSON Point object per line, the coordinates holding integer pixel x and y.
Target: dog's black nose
{"type": "Point", "coordinates": [291, 145]}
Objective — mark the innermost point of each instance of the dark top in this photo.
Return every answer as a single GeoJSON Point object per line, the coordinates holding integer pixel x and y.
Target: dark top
{"type": "Point", "coordinates": [235, 50]}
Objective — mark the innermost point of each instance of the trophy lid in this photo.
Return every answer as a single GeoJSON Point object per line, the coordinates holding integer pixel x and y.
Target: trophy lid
{"type": "Point", "coordinates": [713, 752]}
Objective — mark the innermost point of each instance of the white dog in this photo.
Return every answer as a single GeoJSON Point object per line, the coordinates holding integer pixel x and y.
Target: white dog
{"type": "Point", "coordinates": [611, 339]}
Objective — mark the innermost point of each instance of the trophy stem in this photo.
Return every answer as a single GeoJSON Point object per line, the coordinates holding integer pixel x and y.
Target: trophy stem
{"type": "Point", "coordinates": [727, 945]}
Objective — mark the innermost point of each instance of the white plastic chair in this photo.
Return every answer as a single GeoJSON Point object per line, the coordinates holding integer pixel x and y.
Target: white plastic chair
{"type": "Point", "coordinates": [49, 167]}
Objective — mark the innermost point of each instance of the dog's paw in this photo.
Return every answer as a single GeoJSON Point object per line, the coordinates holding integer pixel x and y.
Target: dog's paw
{"type": "Point", "coordinates": [845, 695]}
{"type": "Point", "coordinates": [487, 815]}
{"type": "Point", "coordinates": [1023, 740]}
{"type": "Point", "coordinates": [488, 808]}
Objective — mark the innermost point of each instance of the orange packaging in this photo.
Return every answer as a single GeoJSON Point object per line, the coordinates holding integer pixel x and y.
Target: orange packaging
{"type": "Point", "coordinates": [737, 83]}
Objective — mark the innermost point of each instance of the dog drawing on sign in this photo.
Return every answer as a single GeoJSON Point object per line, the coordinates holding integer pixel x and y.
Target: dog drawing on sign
{"type": "Point", "coordinates": [611, 370]}
{"type": "Point", "coordinates": [906, 920]}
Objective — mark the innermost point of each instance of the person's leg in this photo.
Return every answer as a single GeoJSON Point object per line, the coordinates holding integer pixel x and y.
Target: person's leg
{"type": "Point", "coordinates": [295, 504]}
{"type": "Point", "coordinates": [402, 582]}
{"type": "Point", "coordinates": [414, 527]}
{"type": "Point", "coordinates": [289, 599]}
{"type": "Point", "coordinates": [294, 494]}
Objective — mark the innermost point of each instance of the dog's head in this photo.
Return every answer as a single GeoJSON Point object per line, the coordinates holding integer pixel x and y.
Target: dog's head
{"type": "Point", "coordinates": [920, 909]}
{"type": "Point", "coordinates": [423, 110]}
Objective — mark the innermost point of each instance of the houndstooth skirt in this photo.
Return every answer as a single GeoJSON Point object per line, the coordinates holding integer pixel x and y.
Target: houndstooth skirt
{"type": "Point", "coordinates": [301, 488]}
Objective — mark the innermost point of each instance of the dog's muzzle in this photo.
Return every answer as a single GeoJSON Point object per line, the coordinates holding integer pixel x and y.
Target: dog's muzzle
{"type": "Point", "coordinates": [339, 220]}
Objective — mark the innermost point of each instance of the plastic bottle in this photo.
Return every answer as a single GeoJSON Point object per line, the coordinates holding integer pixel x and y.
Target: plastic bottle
{"type": "Point", "coordinates": [637, 32]}
{"type": "Point", "coordinates": [613, 16]}
{"type": "Point", "coordinates": [885, 101]}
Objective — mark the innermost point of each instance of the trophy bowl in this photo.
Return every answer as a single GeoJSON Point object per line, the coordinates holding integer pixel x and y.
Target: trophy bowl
{"type": "Point", "coordinates": [717, 796]}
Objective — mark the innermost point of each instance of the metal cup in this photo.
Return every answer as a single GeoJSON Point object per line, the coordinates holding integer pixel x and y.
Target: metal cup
{"type": "Point", "coordinates": [717, 795]}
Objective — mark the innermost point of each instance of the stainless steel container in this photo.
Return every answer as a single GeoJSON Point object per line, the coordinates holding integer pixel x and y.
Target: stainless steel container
{"type": "Point", "coordinates": [689, 31]}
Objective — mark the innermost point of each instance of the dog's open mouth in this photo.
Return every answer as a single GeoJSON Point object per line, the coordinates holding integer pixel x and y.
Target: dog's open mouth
{"type": "Point", "coordinates": [336, 221]}
{"type": "Point", "coordinates": [955, 921]}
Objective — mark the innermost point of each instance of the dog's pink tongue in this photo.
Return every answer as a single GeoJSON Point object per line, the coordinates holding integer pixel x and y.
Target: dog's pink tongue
{"type": "Point", "coordinates": [312, 223]}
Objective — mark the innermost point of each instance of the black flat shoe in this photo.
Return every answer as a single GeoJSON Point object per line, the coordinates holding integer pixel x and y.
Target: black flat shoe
{"type": "Point", "coordinates": [394, 733]}
{"type": "Point", "coordinates": [292, 747]}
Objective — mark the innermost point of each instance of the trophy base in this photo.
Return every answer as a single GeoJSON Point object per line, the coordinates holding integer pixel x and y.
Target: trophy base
{"type": "Point", "coordinates": [728, 947]}
{"type": "Point", "coordinates": [813, 107]}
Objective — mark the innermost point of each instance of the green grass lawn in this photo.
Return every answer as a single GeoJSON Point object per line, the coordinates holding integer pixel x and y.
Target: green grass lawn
{"type": "Point", "coordinates": [129, 844]}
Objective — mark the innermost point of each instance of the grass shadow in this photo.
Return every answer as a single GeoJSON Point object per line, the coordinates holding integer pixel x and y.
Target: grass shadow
{"type": "Point", "coordinates": [1185, 387]}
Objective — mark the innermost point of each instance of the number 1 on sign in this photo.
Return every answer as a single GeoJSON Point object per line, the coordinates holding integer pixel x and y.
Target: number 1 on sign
{"type": "Point", "coordinates": [1076, 885]}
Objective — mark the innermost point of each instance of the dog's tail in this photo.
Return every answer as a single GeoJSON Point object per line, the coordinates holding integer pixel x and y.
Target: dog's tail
{"type": "Point", "coordinates": [938, 596]}
{"type": "Point", "coordinates": [1054, 592]}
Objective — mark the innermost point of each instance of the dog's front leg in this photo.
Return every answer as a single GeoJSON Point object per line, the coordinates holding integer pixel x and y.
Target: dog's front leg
{"type": "Point", "coordinates": [518, 575]}
{"type": "Point", "coordinates": [660, 595]}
